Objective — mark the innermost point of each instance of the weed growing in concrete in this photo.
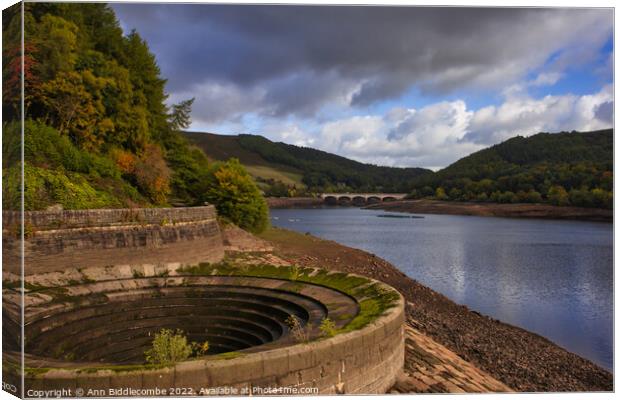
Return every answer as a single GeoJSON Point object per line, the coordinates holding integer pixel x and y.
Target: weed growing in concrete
{"type": "Point", "coordinates": [294, 273]}
{"type": "Point", "coordinates": [138, 274]}
{"type": "Point", "coordinates": [200, 349]}
{"type": "Point", "coordinates": [327, 327]}
{"type": "Point", "coordinates": [300, 332]}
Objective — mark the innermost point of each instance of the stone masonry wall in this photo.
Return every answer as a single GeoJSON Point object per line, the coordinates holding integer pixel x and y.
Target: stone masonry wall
{"type": "Point", "coordinates": [43, 220]}
{"type": "Point", "coordinates": [59, 240]}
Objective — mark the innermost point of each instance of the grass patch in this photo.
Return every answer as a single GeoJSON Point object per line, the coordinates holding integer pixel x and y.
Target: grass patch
{"type": "Point", "coordinates": [30, 371]}
{"type": "Point", "coordinates": [228, 356]}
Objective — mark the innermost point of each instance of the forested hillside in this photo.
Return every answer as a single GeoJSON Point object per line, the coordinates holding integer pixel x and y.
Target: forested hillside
{"type": "Point", "coordinates": [573, 168]}
{"type": "Point", "coordinates": [293, 170]}
{"type": "Point", "coordinates": [98, 132]}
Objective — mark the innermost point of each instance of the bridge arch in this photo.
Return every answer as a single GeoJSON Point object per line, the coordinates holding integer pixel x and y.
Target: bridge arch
{"type": "Point", "coordinates": [330, 199]}
{"type": "Point", "coordinates": [359, 200]}
{"type": "Point", "coordinates": [344, 200]}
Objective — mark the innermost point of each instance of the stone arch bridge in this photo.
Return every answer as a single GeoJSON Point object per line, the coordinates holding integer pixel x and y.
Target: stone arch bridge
{"type": "Point", "coordinates": [360, 198]}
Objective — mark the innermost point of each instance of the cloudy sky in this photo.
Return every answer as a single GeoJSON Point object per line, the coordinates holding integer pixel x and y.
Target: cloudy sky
{"type": "Point", "coordinates": [386, 85]}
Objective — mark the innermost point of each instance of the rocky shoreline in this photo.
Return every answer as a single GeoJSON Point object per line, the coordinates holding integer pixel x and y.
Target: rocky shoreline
{"type": "Point", "coordinates": [522, 360]}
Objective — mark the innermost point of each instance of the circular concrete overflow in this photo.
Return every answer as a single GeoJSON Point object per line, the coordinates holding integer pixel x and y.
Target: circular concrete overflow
{"type": "Point", "coordinates": [109, 323]}
{"type": "Point", "coordinates": [94, 333]}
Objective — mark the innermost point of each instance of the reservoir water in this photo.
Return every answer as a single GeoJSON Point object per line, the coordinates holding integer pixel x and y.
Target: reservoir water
{"type": "Point", "coordinates": [554, 278]}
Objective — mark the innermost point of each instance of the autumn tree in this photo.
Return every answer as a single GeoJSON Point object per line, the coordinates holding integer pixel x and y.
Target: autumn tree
{"type": "Point", "coordinates": [558, 196]}
{"type": "Point", "coordinates": [75, 106]}
{"type": "Point", "coordinates": [152, 174]}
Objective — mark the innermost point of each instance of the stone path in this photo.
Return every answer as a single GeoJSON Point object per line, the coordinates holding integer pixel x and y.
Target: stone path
{"type": "Point", "coordinates": [432, 368]}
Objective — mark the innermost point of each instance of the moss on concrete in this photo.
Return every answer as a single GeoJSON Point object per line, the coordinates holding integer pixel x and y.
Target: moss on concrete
{"type": "Point", "coordinates": [229, 355]}
{"type": "Point", "coordinates": [374, 299]}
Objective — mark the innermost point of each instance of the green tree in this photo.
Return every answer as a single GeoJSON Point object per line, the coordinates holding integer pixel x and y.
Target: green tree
{"type": "Point", "coordinates": [581, 198]}
{"type": "Point", "coordinates": [237, 197]}
{"type": "Point", "coordinates": [455, 194]}
{"type": "Point", "coordinates": [558, 196]}
{"type": "Point", "coordinates": [55, 40]}
{"type": "Point", "coordinates": [180, 117]}
{"type": "Point", "coordinates": [507, 197]}
{"type": "Point", "coordinates": [440, 194]}
{"type": "Point", "coordinates": [75, 107]}
{"type": "Point", "coordinates": [602, 198]}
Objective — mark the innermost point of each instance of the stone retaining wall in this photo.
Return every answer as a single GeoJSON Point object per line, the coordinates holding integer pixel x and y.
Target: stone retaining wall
{"type": "Point", "coordinates": [41, 220]}
{"type": "Point", "coordinates": [59, 240]}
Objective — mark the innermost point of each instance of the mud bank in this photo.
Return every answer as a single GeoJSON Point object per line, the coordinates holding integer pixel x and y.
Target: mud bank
{"type": "Point", "coordinates": [545, 211]}
{"type": "Point", "coordinates": [295, 202]}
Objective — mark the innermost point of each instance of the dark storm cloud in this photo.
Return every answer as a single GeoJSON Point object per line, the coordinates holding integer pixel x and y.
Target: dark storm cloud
{"type": "Point", "coordinates": [298, 58]}
{"type": "Point", "coordinates": [605, 112]}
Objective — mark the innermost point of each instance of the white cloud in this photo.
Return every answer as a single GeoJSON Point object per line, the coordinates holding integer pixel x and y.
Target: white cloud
{"type": "Point", "coordinates": [287, 132]}
{"type": "Point", "coordinates": [546, 79]}
{"type": "Point", "coordinates": [523, 115]}
{"type": "Point", "coordinates": [436, 135]}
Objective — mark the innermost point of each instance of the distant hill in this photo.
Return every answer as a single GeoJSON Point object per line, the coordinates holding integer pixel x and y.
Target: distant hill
{"type": "Point", "coordinates": [564, 168]}
{"type": "Point", "coordinates": [284, 169]}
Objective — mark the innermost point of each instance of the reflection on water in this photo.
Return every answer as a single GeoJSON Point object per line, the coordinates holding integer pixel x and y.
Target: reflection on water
{"type": "Point", "coordinates": [554, 278]}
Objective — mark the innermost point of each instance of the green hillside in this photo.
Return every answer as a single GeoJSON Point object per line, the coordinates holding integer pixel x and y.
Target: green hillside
{"type": "Point", "coordinates": [283, 169]}
{"type": "Point", "coordinates": [564, 168]}
{"type": "Point", "coordinates": [223, 147]}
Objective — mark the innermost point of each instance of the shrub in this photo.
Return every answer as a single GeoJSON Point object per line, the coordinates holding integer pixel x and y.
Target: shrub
{"type": "Point", "coordinates": [153, 175]}
{"type": "Point", "coordinates": [125, 160]}
{"type": "Point", "coordinates": [200, 349]}
{"type": "Point", "coordinates": [602, 198]}
{"type": "Point", "coordinates": [557, 196]}
{"type": "Point", "coordinates": [45, 187]}
{"type": "Point", "coordinates": [169, 347]}
{"type": "Point", "coordinates": [237, 197]}
{"type": "Point", "coordinates": [328, 327]}
{"type": "Point", "coordinates": [507, 197]}
{"type": "Point", "coordinates": [45, 147]}
{"type": "Point", "coordinates": [440, 194]}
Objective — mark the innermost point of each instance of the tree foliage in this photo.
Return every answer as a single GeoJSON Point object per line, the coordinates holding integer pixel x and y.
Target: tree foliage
{"type": "Point", "coordinates": [98, 132]}
{"type": "Point", "coordinates": [237, 197]}
{"type": "Point", "coordinates": [180, 116]}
